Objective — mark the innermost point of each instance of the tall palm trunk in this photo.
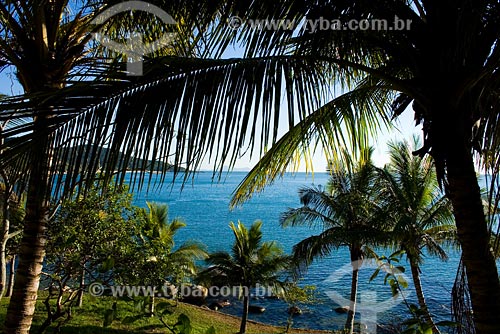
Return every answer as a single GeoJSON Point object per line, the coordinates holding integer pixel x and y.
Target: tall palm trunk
{"type": "Point", "coordinates": [356, 262]}
{"type": "Point", "coordinates": [472, 230]}
{"type": "Point", "coordinates": [32, 251]}
{"type": "Point", "coordinates": [244, 316]}
{"type": "Point", "coordinates": [349, 324]}
{"type": "Point", "coordinates": [415, 273]}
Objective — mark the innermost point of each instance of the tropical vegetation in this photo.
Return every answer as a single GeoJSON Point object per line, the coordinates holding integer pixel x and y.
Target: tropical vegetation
{"type": "Point", "coordinates": [89, 320]}
{"type": "Point", "coordinates": [421, 213]}
{"type": "Point", "coordinates": [90, 239]}
{"type": "Point", "coordinates": [101, 237]}
{"type": "Point", "coordinates": [78, 95]}
{"type": "Point", "coordinates": [156, 259]}
{"type": "Point", "coordinates": [252, 261]}
{"type": "Point", "coordinates": [349, 213]}
{"type": "Point", "coordinates": [362, 207]}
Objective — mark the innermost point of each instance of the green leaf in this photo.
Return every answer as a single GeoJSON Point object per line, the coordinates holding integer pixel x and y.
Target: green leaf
{"type": "Point", "coordinates": [183, 324]}
{"type": "Point", "coordinates": [401, 269]}
{"type": "Point", "coordinates": [139, 304]}
{"type": "Point", "coordinates": [402, 282]}
{"type": "Point", "coordinates": [427, 331]}
{"type": "Point", "coordinates": [414, 308]}
{"type": "Point", "coordinates": [396, 255]}
{"type": "Point", "coordinates": [394, 290]}
{"type": "Point", "coordinates": [374, 275]}
{"type": "Point", "coordinates": [108, 264]}
{"type": "Point", "coordinates": [164, 306]}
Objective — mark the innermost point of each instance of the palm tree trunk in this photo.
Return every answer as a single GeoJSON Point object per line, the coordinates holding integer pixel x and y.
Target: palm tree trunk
{"type": "Point", "coordinates": [349, 324]}
{"type": "Point", "coordinates": [32, 250]}
{"type": "Point", "coordinates": [356, 261]}
{"type": "Point", "coordinates": [472, 230]}
{"type": "Point", "coordinates": [12, 273]}
{"type": "Point", "coordinates": [415, 273]}
{"type": "Point", "coordinates": [244, 316]}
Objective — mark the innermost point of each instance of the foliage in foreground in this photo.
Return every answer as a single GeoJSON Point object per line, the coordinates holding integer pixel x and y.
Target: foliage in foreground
{"type": "Point", "coordinates": [251, 261]}
{"type": "Point", "coordinates": [89, 320]}
{"type": "Point", "coordinates": [103, 238]}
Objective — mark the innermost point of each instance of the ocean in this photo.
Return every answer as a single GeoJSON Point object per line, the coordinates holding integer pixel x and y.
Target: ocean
{"type": "Point", "coordinates": [204, 206]}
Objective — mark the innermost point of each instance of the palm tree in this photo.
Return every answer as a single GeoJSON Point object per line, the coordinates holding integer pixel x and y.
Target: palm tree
{"type": "Point", "coordinates": [157, 258]}
{"type": "Point", "coordinates": [250, 262]}
{"type": "Point", "coordinates": [350, 215]}
{"type": "Point", "coordinates": [421, 213]}
{"type": "Point", "coordinates": [187, 108]}
{"type": "Point", "coordinates": [450, 83]}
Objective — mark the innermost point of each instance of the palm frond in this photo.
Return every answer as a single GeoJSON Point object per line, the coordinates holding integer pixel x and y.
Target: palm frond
{"type": "Point", "coordinates": [192, 112]}
{"type": "Point", "coordinates": [347, 121]}
{"type": "Point", "coordinates": [317, 246]}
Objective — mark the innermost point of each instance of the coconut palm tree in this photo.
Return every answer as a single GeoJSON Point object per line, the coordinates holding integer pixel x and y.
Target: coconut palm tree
{"type": "Point", "coordinates": [251, 261]}
{"type": "Point", "coordinates": [350, 215]}
{"type": "Point", "coordinates": [422, 214]}
{"type": "Point", "coordinates": [157, 257]}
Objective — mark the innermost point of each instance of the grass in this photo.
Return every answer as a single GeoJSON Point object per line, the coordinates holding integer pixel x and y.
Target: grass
{"type": "Point", "coordinates": [89, 319]}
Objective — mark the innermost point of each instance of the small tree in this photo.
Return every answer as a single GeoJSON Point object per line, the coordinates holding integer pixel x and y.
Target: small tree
{"type": "Point", "coordinates": [155, 258]}
{"type": "Point", "coordinates": [251, 261]}
{"type": "Point", "coordinates": [294, 295]}
{"type": "Point", "coordinates": [89, 236]}
{"type": "Point", "coordinates": [11, 217]}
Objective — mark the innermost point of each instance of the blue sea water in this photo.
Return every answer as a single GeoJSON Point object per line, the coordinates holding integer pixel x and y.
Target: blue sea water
{"type": "Point", "coordinates": [204, 206]}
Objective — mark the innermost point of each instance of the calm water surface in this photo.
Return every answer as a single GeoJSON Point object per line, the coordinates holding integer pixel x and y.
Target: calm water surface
{"type": "Point", "coordinates": [204, 207]}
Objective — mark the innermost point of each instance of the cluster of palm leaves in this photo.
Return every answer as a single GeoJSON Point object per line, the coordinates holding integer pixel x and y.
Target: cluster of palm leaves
{"type": "Point", "coordinates": [250, 262]}
{"type": "Point", "coordinates": [191, 105]}
{"type": "Point", "coordinates": [362, 207]}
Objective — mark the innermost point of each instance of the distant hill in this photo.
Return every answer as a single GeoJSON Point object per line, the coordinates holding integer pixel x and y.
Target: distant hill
{"type": "Point", "coordinates": [134, 163]}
